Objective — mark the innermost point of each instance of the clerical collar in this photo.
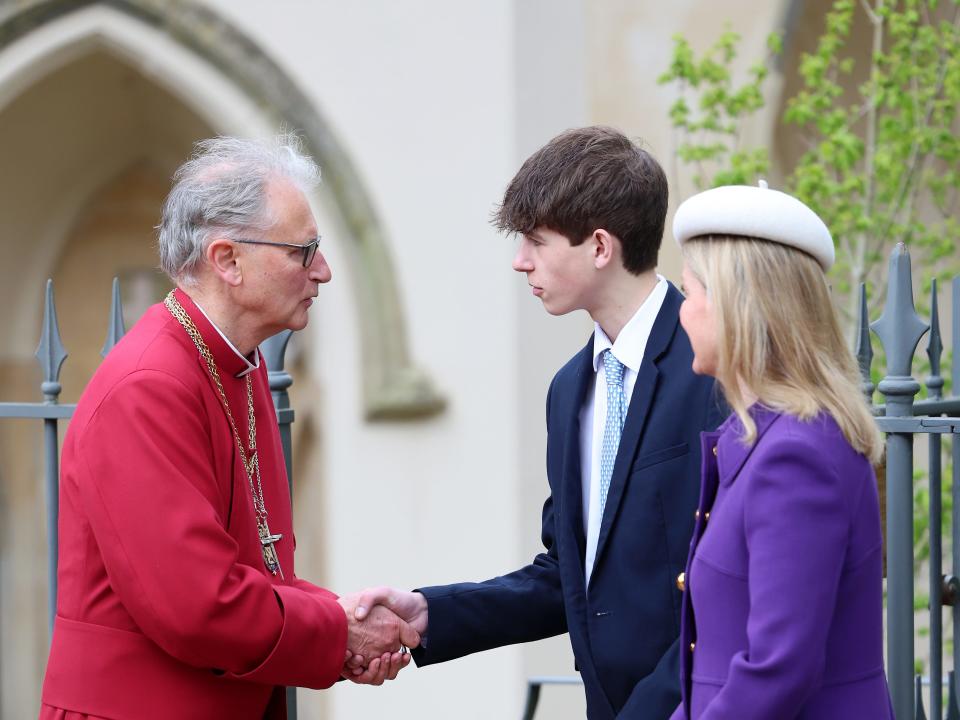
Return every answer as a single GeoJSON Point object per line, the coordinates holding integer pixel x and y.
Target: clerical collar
{"type": "Point", "coordinates": [249, 366]}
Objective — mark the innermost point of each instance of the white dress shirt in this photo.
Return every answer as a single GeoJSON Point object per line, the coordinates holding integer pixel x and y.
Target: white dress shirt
{"type": "Point", "coordinates": [251, 366]}
{"type": "Point", "coordinates": [628, 349]}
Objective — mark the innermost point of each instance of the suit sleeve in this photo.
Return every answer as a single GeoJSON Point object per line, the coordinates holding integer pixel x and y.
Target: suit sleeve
{"type": "Point", "coordinates": [524, 606]}
{"type": "Point", "coordinates": [796, 524]}
{"type": "Point", "coordinates": [148, 490]}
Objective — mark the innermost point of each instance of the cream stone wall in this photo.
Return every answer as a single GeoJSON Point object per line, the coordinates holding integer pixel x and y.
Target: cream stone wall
{"type": "Point", "coordinates": [630, 46]}
{"type": "Point", "coordinates": [436, 104]}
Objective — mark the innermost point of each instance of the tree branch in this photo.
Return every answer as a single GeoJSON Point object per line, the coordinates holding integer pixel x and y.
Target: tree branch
{"type": "Point", "coordinates": [913, 163]}
{"type": "Point", "coordinates": [859, 256]}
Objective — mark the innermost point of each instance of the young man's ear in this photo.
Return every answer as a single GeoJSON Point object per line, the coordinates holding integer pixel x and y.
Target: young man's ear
{"type": "Point", "coordinates": [222, 254]}
{"type": "Point", "coordinates": [603, 247]}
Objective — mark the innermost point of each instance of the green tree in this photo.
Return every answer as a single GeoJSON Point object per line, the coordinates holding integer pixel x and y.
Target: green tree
{"type": "Point", "coordinates": [881, 159]}
{"type": "Point", "coordinates": [881, 164]}
{"type": "Point", "coordinates": [709, 136]}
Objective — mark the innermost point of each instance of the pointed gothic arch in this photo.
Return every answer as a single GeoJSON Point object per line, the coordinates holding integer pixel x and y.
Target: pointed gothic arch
{"type": "Point", "coordinates": [210, 65]}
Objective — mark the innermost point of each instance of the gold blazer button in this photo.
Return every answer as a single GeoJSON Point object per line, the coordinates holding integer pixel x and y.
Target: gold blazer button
{"type": "Point", "coordinates": [681, 581]}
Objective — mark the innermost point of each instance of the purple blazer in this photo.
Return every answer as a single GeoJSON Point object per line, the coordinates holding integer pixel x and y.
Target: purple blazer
{"type": "Point", "coordinates": [783, 604]}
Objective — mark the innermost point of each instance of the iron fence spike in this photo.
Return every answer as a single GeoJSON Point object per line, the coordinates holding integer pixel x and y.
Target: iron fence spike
{"type": "Point", "coordinates": [274, 351]}
{"type": "Point", "coordinates": [899, 327]}
{"type": "Point", "coordinates": [115, 326]}
{"type": "Point", "coordinates": [50, 353]}
{"type": "Point", "coordinates": [953, 710]}
{"type": "Point", "coordinates": [955, 341]}
{"type": "Point", "coordinates": [864, 350]}
{"type": "Point", "coordinates": [935, 346]}
{"type": "Point", "coordinates": [918, 713]}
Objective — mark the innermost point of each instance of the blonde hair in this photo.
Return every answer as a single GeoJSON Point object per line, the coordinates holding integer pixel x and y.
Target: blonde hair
{"type": "Point", "coordinates": [778, 337]}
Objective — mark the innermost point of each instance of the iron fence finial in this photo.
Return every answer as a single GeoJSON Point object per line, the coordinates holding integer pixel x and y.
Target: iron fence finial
{"type": "Point", "coordinates": [50, 353]}
{"type": "Point", "coordinates": [115, 326]}
{"type": "Point", "coordinates": [899, 327]}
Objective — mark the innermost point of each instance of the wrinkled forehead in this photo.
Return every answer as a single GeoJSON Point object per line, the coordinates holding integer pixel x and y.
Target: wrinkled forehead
{"type": "Point", "coordinates": [287, 207]}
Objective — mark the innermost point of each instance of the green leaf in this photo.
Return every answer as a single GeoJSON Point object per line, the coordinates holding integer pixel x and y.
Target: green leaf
{"type": "Point", "coordinates": [775, 43]}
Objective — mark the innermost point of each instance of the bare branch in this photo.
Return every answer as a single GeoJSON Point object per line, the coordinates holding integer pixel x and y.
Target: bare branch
{"type": "Point", "coordinates": [874, 17]}
{"type": "Point", "coordinates": [862, 112]}
{"type": "Point", "coordinates": [913, 164]}
{"type": "Point", "coordinates": [952, 203]}
{"type": "Point", "coordinates": [845, 245]}
{"type": "Point", "coordinates": [924, 8]}
{"type": "Point", "coordinates": [859, 256]}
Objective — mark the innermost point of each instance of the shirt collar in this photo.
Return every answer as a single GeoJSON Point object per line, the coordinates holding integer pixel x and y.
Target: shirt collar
{"type": "Point", "coordinates": [226, 355]}
{"type": "Point", "coordinates": [632, 340]}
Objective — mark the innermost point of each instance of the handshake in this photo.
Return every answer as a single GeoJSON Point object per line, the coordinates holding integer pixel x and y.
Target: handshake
{"type": "Point", "coordinates": [382, 623]}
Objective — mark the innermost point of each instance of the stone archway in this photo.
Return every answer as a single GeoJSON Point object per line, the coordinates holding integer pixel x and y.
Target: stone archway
{"type": "Point", "coordinates": [86, 168]}
{"type": "Point", "coordinates": [99, 102]}
{"type": "Point", "coordinates": [206, 62]}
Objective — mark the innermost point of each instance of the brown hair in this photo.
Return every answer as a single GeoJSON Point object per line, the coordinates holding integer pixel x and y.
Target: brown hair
{"type": "Point", "coordinates": [588, 179]}
{"type": "Point", "coordinates": [778, 337]}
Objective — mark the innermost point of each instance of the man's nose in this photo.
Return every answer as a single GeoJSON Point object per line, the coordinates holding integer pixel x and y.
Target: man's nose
{"type": "Point", "coordinates": [319, 269]}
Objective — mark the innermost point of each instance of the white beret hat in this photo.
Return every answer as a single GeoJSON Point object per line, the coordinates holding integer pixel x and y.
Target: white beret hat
{"type": "Point", "coordinates": [755, 212]}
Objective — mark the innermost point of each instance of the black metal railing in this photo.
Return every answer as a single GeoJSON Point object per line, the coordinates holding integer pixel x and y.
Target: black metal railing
{"type": "Point", "coordinates": [51, 355]}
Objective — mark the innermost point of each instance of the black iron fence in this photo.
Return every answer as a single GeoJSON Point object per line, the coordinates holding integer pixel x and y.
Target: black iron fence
{"type": "Point", "coordinates": [51, 355]}
{"type": "Point", "coordinates": [902, 417]}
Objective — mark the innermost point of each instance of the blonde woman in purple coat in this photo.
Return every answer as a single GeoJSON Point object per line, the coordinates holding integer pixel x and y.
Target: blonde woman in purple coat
{"type": "Point", "coordinates": [782, 602]}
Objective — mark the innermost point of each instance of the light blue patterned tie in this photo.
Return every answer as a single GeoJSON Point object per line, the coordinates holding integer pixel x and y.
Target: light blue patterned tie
{"type": "Point", "coordinates": [616, 414]}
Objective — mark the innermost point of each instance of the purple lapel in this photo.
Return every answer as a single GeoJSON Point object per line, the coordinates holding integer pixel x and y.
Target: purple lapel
{"type": "Point", "coordinates": [731, 452]}
{"type": "Point", "coordinates": [708, 491]}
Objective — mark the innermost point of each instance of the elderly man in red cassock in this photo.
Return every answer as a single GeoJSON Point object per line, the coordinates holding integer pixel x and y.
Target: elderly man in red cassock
{"type": "Point", "coordinates": [178, 596]}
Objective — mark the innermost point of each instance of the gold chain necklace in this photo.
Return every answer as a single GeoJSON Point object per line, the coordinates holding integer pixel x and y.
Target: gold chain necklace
{"type": "Point", "coordinates": [251, 463]}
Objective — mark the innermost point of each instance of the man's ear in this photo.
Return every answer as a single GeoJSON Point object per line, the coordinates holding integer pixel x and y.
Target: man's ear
{"type": "Point", "coordinates": [222, 254]}
{"type": "Point", "coordinates": [603, 246]}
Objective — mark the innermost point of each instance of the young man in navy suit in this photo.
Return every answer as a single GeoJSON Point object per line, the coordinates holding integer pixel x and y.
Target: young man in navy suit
{"type": "Point", "coordinates": [623, 419]}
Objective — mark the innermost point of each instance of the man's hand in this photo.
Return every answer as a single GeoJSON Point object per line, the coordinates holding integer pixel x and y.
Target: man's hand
{"type": "Point", "coordinates": [410, 606]}
{"type": "Point", "coordinates": [385, 667]}
{"type": "Point", "coordinates": [374, 633]}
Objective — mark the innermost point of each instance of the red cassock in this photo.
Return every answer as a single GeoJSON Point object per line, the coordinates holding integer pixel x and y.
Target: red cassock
{"type": "Point", "coordinates": [165, 607]}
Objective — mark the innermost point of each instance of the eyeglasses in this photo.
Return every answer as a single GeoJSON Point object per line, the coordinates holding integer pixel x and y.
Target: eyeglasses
{"type": "Point", "coordinates": [309, 250]}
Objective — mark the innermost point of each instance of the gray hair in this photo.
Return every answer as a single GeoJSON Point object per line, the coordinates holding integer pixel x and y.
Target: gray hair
{"type": "Point", "coordinates": [222, 189]}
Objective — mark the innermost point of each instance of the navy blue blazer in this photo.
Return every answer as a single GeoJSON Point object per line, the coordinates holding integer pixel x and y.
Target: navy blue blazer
{"type": "Point", "coordinates": [624, 628]}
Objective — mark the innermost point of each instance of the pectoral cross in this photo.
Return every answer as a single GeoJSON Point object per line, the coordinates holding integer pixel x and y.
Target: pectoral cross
{"type": "Point", "coordinates": [267, 541]}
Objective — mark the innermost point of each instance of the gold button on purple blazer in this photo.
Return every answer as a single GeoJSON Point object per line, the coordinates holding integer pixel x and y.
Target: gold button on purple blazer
{"type": "Point", "coordinates": [782, 609]}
